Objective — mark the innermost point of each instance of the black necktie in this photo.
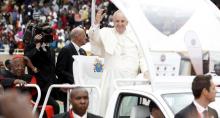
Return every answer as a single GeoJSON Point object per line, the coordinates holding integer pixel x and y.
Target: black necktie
{"type": "Point", "coordinates": [82, 51]}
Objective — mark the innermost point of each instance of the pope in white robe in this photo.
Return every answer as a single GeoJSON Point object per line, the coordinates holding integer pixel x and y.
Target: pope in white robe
{"type": "Point", "coordinates": [123, 57]}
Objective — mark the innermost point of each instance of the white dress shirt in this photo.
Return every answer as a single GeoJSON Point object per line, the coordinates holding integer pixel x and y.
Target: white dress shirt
{"type": "Point", "coordinates": [200, 108]}
{"type": "Point", "coordinates": [76, 47]}
{"type": "Point", "coordinates": [77, 116]}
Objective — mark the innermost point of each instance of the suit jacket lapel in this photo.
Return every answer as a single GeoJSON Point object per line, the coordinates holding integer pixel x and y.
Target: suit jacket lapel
{"type": "Point", "coordinates": [212, 113]}
{"type": "Point", "coordinates": [194, 112]}
{"type": "Point", "coordinates": [73, 49]}
{"type": "Point", "coordinates": [89, 115]}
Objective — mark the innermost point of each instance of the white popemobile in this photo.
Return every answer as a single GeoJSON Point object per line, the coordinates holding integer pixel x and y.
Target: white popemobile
{"type": "Point", "coordinates": [165, 30]}
{"type": "Point", "coordinates": [171, 94]}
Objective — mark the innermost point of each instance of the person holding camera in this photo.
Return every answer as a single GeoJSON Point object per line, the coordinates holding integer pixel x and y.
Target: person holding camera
{"type": "Point", "coordinates": [43, 58]}
{"type": "Point", "coordinates": [37, 39]}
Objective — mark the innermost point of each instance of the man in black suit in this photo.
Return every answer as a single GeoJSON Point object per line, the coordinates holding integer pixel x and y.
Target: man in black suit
{"type": "Point", "coordinates": [80, 101]}
{"type": "Point", "coordinates": [204, 93]}
{"type": "Point", "coordinates": [64, 65]}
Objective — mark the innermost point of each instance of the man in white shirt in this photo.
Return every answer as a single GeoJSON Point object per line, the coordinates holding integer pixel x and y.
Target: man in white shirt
{"type": "Point", "coordinates": [79, 100]}
{"type": "Point", "coordinates": [204, 92]}
{"type": "Point", "coordinates": [120, 49]}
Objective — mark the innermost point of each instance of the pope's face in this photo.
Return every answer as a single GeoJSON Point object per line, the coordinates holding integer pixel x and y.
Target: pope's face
{"type": "Point", "coordinates": [120, 22]}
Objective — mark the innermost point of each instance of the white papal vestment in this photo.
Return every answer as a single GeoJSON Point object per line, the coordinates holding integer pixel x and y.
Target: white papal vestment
{"type": "Point", "coordinates": [122, 55]}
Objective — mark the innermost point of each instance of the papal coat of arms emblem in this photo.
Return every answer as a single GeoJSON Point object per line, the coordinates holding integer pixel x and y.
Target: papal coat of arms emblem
{"type": "Point", "coordinates": [98, 66]}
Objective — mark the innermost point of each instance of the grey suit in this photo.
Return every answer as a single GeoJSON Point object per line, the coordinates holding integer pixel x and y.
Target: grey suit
{"type": "Point", "coordinates": [191, 112]}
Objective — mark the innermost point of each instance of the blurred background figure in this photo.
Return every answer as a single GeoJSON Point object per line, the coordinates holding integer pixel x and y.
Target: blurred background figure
{"type": "Point", "coordinates": [7, 69]}
{"type": "Point", "coordinates": [15, 105]}
{"type": "Point", "coordinates": [1, 90]}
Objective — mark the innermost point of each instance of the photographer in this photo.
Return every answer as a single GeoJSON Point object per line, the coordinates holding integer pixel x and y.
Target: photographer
{"type": "Point", "coordinates": [42, 57]}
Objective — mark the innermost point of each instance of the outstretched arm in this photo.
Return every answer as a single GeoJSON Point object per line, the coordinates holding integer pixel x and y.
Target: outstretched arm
{"type": "Point", "coordinates": [94, 34]}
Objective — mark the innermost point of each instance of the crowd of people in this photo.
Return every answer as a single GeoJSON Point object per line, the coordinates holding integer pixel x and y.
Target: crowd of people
{"type": "Point", "coordinates": [61, 15]}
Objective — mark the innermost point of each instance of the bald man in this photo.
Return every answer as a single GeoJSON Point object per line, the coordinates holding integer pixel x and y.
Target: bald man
{"type": "Point", "coordinates": [120, 49]}
{"type": "Point", "coordinates": [79, 100]}
{"type": "Point", "coordinates": [64, 63]}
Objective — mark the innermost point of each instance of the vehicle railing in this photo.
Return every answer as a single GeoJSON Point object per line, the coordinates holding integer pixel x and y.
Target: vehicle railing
{"type": "Point", "coordinates": [67, 87]}
{"type": "Point", "coordinates": [38, 94]}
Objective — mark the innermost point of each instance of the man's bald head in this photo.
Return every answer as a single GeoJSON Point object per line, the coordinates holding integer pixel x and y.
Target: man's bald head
{"type": "Point", "coordinates": [74, 91]}
{"type": "Point", "coordinates": [76, 32]}
{"type": "Point", "coordinates": [78, 36]}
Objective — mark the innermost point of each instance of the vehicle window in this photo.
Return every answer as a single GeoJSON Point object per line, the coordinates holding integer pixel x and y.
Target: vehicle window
{"type": "Point", "coordinates": [134, 106]}
{"type": "Point", "coordinates": [177, 101]}
{"type": "Point", "coordinates": [127, 102]}
{"type": "Point", "coordinates": [164, 16]}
